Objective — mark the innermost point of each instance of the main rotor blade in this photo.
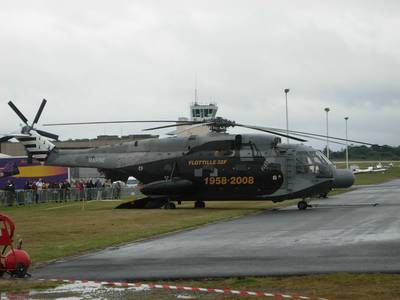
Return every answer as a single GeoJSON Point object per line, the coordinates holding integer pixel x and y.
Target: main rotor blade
{"type": "Point", "coordinates": [316, 138]}
{"type": "Point", "coordinates": [174, 125]}
{"type": "Point", "coordinates": [16, 110]}
{"type": "Point", "coordinates": [319, 135]}
{"type": "Point", "coordinates": [38, 114]}
{"type": "Point", "coordinates": [270, 131]}
{"type": "Point", "coordinates": [47, 134]}
{"type": "Point", "coordinates": [9, 136]}
{"type": "Point", "coordinates": [114, 122]}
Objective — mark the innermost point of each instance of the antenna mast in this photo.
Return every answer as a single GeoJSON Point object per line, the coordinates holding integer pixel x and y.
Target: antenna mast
{"type": "Point", "coordinates": [195, 89]}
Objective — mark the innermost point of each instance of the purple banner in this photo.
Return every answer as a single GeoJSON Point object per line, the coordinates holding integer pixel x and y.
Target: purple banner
{"type": "Point", "coordinates": [20, 172]}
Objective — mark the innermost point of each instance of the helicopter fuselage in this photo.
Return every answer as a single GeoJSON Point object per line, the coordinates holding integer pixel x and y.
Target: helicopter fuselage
{"type": "Point", "coordinates": [218, 166]}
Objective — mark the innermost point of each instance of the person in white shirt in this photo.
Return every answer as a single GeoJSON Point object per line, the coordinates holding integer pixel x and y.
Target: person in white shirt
{"type": "Point", "coordinates": [39, 187]}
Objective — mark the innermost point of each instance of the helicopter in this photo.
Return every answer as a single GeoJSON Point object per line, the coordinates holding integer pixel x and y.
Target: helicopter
{"type": "Point", "coordinates": [216, 166]}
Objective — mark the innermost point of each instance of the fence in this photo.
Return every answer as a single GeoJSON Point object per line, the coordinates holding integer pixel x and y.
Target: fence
{"type": "Point", "coordinates": [22, 197]}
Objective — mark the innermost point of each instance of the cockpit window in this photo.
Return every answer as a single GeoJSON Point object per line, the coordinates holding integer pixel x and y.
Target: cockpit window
{"type": "Point", "coordinates": [313, 162]}
{"type": "Point", "coordinates": [323, 157]}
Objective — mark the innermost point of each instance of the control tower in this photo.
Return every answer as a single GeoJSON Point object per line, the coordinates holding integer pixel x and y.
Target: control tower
{"type": "Point", "coordinates": [198, 112]}
{"type": "Point", "coordinates": [201, 112]}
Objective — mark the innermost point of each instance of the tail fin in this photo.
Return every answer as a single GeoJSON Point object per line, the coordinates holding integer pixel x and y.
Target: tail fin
{"type": "Point", "coordinates": [37, 147]}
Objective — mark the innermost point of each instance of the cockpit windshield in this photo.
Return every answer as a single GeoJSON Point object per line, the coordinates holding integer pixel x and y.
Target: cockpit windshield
{"type": "Point", "coordinates": [313, 162]}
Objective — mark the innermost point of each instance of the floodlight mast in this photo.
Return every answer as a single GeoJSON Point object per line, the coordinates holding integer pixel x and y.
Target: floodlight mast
{"type": "Point", "coordinates": [327, 132]}
{"type": "Point", "coordinates": [287, 114]}
{"type": "Point", "coordinates": [347, 145]}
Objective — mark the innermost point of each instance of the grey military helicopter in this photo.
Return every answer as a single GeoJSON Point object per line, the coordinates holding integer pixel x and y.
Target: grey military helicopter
{"type": "Point", "coordinates": [216, 166]}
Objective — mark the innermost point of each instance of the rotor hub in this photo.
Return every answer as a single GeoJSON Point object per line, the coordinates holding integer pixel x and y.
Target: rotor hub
{"type": "Point", "coordinates": [220, 124]}
{"type": "Point", "coordinates": [26, 129]}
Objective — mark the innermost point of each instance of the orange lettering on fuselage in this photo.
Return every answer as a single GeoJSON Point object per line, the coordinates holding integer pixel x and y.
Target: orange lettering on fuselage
{"type": "Point", "coordinates": [207, 162]}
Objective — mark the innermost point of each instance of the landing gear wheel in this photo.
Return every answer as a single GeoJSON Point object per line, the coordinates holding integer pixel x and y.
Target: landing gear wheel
{"type": "Point", "coordinates": [199, 204]}
{"type": "Point", "coordinates": [20, 271]}
{"type": "Point", "coordinates": [302, 205]}
{"type": "Point", "coordinates": [170, 205]}
{"type": "Point", "coordinates": [1, 270]}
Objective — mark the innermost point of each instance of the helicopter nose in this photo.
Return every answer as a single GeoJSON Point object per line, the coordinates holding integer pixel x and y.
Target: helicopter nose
{"type": "Point", "coordinates": [343, 178]}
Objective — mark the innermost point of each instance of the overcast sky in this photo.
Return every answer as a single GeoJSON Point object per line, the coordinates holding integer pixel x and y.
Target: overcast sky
{"type": "Point", "coordinates": [112, 60]}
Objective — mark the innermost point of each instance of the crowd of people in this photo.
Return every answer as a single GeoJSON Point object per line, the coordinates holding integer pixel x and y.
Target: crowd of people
{"type": "Point", "coordinates": [40, 190]}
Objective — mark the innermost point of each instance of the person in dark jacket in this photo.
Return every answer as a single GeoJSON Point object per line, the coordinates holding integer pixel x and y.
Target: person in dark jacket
{"type": "Point", "coordinates": [10, 189]}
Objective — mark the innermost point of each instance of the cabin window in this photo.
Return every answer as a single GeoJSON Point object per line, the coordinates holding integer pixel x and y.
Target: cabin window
{"type": "Point", "coordinates": [217, 148]}
{"type": "Point", "coordinates": [223, 152]}
{"type": "Point", "coordinates": [246, 151]}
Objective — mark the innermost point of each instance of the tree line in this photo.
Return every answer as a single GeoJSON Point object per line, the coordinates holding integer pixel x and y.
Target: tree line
{"type": "Point", "coordinates": [363, 152]}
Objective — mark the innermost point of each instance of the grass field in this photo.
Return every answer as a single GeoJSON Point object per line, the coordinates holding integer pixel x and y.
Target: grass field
{"type": "Point", "coordinates": [373, 178]}
{"type": "Point", "coordinates": [379, 177]}
{"type": "Point", "coordinates": [339, 286]}
{"type": "Point", "coordinates": [376, 178]}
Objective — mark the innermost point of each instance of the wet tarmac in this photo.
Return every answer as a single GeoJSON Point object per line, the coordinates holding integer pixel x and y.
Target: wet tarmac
{"type": "Point", "coordinates": [358, 231]}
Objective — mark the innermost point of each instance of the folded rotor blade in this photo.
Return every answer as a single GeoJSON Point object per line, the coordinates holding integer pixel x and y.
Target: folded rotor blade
{"type": "Point", "coordinates": [271, 131]}
{"type": "Point", "coordinates": [39, 112]}
{"type": "Point", "coordinates": [16, 110]}
{"type": "Point", "coordinates": [5, 138]}
{"type": "Point", "coordinates": [174, 125]}
{"type": "Point", "coordinates": [47, 134]}
{"type": "Point", "coordinates": [9, 136]}
{"type": "Point", "coordinates": [311, 135]}
{"type": "Point", "coordinates": [114, 122]}
{"type": "Point", "coordinates": [316, 138]}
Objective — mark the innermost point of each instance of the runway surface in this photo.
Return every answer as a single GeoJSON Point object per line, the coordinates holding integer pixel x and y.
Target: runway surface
{"type": "Point", "coordinates": [345, 233]}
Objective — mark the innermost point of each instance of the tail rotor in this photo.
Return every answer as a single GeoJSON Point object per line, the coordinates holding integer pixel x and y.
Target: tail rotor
{"type": "Point", "coordinates": [39, 112]}
{"type": "Point", "coordinates": [20, 114]}
{"type": "Point", "coordinates": [34, 140]}
{"type": "Point", "coordinates": [28, 128]}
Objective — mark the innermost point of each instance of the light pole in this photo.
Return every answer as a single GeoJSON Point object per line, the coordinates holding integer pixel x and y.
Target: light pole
{"type": "Point", "coordinates": [347, 145]}
{"type": "Point", "coordinates": [287, 115]}
{"type": "Point", "coordinates": [327, 132]}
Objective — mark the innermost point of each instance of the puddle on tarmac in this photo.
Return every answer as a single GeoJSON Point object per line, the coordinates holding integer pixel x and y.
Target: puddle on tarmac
{"type": "Point", "coordinates": [91, 290]}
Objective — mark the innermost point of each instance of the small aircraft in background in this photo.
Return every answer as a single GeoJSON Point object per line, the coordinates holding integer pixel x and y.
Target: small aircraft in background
{"type": "Point", "coordinates": [378, 168]}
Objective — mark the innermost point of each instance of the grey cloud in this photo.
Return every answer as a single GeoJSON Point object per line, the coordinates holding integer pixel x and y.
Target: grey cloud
{"type": "Point", "coordinates": [138, 60]}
